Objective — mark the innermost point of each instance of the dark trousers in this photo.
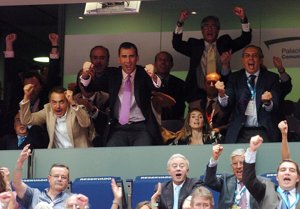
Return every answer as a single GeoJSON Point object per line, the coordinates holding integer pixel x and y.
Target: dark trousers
{"type": "Point", "coordinates": [247, 132]}
{"type": "Point", "coordinates": [134, 134]}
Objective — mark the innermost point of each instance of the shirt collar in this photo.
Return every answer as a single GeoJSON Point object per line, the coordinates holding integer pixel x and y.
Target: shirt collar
{"type": "Point", "coordinates": [124, 75]}
{"type": "Point", "coordinates": [248, 74]}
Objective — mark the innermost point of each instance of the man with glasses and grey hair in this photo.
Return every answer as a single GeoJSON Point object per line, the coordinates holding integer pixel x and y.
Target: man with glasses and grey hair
{"type": "Point", "coordinates": [233, 193]}
{"type": "Point", "coordinates": [174, 192]}
{"type": "Point", "coordinates": [55, 195]}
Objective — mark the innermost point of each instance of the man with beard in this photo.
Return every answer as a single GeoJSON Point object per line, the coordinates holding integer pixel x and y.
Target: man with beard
{"type": "Point", "coordinates": [67, 123]}
{"type": "Point", "coordinates": [233, 193]}
{"type": "Point", "coordinates": [55, 195]}
{"type": "Point", "coordinates": [206, 54]}
{"type": "Point", "coordinates": [252, 95]}
{"type": "Point", "coordinates": [174, 192]}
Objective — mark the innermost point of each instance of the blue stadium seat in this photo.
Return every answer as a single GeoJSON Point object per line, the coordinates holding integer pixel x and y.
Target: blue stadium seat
{"type": "Point", "coordinates": [98, 189]}
{"type": "Point", "coordinates": [143, 187]}
{"type": "Point", "coordinates": [39, 183]}
{"type": "Point", "coordinates": [215, 194]}
{"type": "Point", "coordinates": [271, 176]}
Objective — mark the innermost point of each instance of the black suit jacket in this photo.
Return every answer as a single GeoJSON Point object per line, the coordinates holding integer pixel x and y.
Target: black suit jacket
{"type": "Point", "coordinates": [111, 82]}
{"type": "Point", "coordinates": [175, 87]}
{"type": "Point", "coordinates": [37, 138]}
{"type": "Point", "coordinates": [226, 185]}
{"type": "Point", "coordinates": [239, 95]}
{"type": "Point", "coordinates": [166, 197]}
{"type": "Point", "coordinates": [193, 48]}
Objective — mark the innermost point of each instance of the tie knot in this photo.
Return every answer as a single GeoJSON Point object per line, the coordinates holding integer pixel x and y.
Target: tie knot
{"type": "Point", "coordinates": [252, 77]}
{"type": "Point", "coordinates": [286, 192]}
{"type": "Point", "coordinates": [241, 184]}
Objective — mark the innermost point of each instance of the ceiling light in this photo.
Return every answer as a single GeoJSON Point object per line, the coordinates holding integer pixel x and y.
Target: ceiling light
{"type": "Point", "coordinates": [41, 59]}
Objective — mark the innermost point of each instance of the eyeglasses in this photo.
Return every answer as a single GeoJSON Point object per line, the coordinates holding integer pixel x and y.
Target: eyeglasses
{"type": "Point", "coordinates": [65, 178]}
{"type": "Point", "coordinates": [74, 206]}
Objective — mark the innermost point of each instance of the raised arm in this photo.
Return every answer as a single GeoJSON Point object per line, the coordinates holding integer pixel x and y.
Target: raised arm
{"type": "Point", "coordinates": [285, 151]}
{"type": "Point", "coordinates": [117, 191]}
{"type": "Point", "coordinates": [18, 184]}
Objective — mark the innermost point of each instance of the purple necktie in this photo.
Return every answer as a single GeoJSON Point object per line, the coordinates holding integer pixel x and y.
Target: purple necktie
{"type": "Point", "coordinates": [243, 200]}
{"type": "Point", "coordinates": [126, 102]}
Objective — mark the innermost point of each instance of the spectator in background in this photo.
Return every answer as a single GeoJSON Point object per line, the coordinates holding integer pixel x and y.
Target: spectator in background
{"type": "Point", "coordinates": [217, 119]}
{"type": "Point", "coordinates": [202, 198]}
{"type": "Point", "coordinates": [15, 80]}
{"type": "Point", "coordinates": [78, 201]}
{"type": "Point", "coordinates": [96, 104]}
{"type": "Point", "coordinates": [68, 124]}
{"type": "Point", "coordinates": [195, 130]}
{"type": "Point", "coordinates": [7, 197]}
{"type": "Point", "coordinates": [205, 54]}
{"type": "Point", "coordinates": [35, 135]}
{"type": "Point", "coordinates": [55, 195]}
{"type": "Point", "coordinates": [171, 86]}
{"type": "Point", "coordinates": [252, 95]}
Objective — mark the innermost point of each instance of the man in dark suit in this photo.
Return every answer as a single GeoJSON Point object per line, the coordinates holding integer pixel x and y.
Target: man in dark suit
{"type": "Point", "coordinates": [174, 192]}
{"type": "Point", "coordinates": [286, 195]}
{"type": "Point", "coordinates": [35, 136]}
{"type": "Point", "coordinates": [252, 95]}
{"type": "Point", "coordinates": [198, 50]}
{"type": "Point", "coordinates": [171, 85]}
{"type": "Point", "coordinates": [230, 186]}
{"type": "Point", "coordinates": [132, 122]}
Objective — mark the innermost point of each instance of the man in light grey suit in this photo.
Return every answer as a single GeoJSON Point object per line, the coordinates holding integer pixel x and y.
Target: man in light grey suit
{"type": "Point", "coordinates": [232, 192]}
{"type": "Point", "coordinates": [286, 195]}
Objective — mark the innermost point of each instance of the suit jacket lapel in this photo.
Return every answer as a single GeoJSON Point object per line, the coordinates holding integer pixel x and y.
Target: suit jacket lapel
{"type": "Point", "coordinates": [169, 192]}
{"type": "Point", "coordinates": [232, 187]}
{"type": "Point", "coordinates": [70, 117]}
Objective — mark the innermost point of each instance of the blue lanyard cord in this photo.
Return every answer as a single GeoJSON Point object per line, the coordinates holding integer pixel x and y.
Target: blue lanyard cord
{"type": "Point", "coordinates": [238, 195]}
{"type": "Point", "coordinates": [252, 90]}
{"type": "Point", "coordinates": [286, 202]}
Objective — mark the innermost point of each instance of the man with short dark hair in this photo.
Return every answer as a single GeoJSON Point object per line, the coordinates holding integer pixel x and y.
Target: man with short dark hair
{"type": "Point", "coordinates": [132, 122]}
{"type": "Point", "coordinates": [286, 195]}
{"type": "Point", "coordinates": [55, 195]}
{"type": "Point", "coordinates": [67, 123]}
{"type": "Point", "coordinates": [206, 54]}
{"type": "Point", "coordinates": [171, 85]}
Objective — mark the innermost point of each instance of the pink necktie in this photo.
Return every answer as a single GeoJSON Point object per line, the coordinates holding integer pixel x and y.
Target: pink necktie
{"type": "Point", "coordinates": [243, 201]}
{"type": "Point", "coordinates": [126, 102]}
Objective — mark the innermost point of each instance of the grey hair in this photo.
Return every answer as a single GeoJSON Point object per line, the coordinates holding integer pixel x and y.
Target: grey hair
{"type": "Point", "coordinates": [237, 152]}
{"type": "Point", "coordinates": [178, 156]}
{"type": "Point", "coordinates": [203, 192]}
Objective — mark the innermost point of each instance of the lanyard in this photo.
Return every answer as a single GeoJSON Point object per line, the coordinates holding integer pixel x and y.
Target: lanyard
{"type": "Point", "coordinates": [239, 194]}
{"type": "Point", "coordinates": [252, 90]}
{"type": "Point", "coordinates": [286, 202]}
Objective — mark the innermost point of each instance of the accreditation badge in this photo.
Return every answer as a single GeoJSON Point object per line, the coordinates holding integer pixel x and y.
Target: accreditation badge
{"type": "Point", "coordinates": [235, 207]}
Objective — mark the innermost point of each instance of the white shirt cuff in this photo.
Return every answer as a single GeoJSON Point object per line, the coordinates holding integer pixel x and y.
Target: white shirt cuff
{"type": "Point", "coordinates": [223, 100]}
{"type": "Point", "coordinates": [268, 108]}
{"type": "Point", "coordinates": [178, 30]}
{"type": "Point", "coordinates": [9, 54]}
{"type": "Point", "coordinates": [54, 56]}
{"type": "Point", "coordinates": [22, 102]}
{"type": "Point", "coordinates": [84, 82]}
{"type": "Point", "coordinates": [250, 157]}
{"type": "Point", "coordinates": [158, 82]}
{"type": "Point", "coordinates": [246, 27]}
{"type": "Point", "coordinates": [212, 162]}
